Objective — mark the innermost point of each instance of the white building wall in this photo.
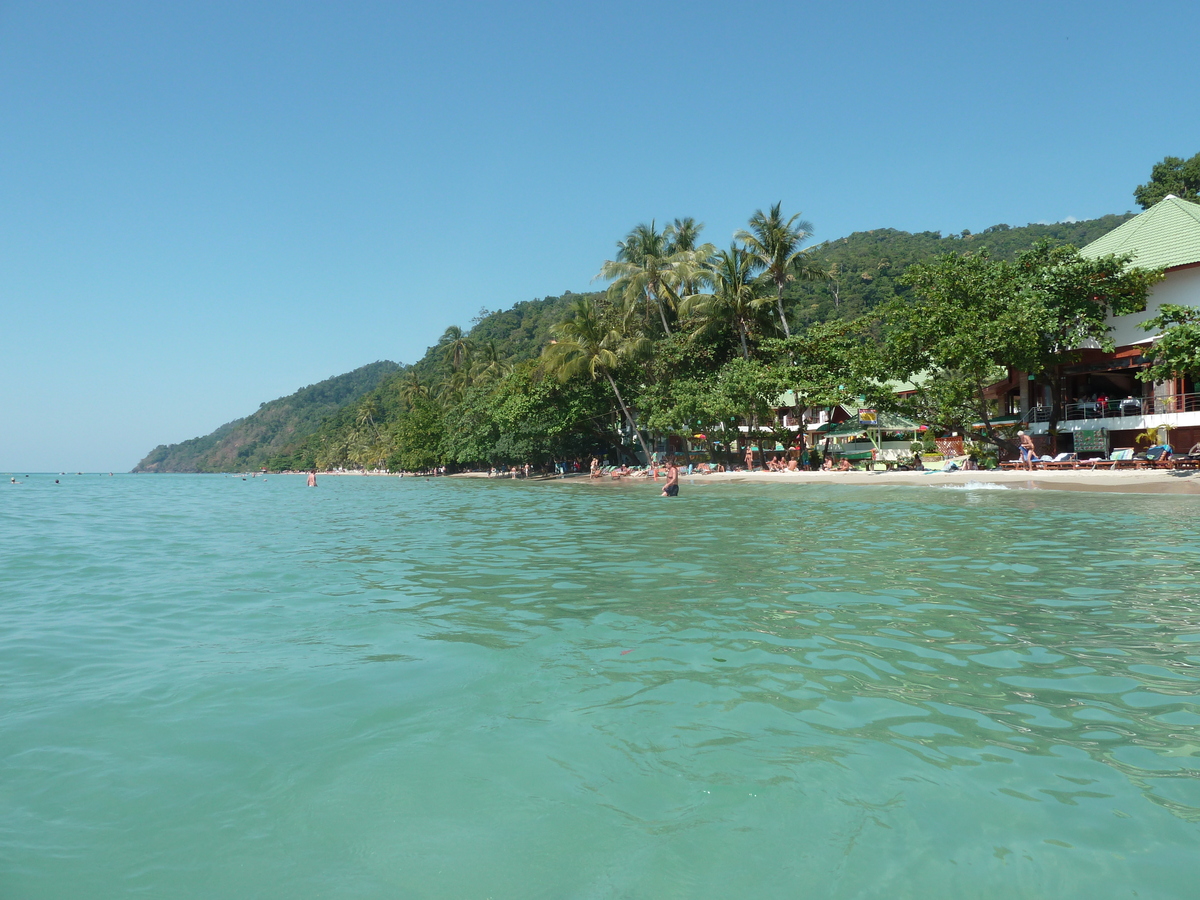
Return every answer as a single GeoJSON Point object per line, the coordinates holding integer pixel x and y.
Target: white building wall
{"type": "Point", "coordinates": [1181, 288]}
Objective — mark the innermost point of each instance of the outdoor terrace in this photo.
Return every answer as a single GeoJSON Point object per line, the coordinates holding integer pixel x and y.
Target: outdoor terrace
{"type": "Point", "coordinates": [1127, 413]}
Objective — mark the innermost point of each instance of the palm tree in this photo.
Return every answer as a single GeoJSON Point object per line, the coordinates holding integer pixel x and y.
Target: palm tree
{"type": "Point", "coordinates": [456, 347]}
{"type": "Point", "coordinates": [690, 257]}
{"type": "Point", "coordinates": [489, 366]}
{"type": "Point", "coordinates": [366, 414]}
{"type": "Point", "coordinates": [412, 388]}
{"type": "Point", "coordinates": [450, 391]}
{"type": "Point", "coordinates": [775, 245]}
{"type": "Point", "coordinates": [583, 343]}
{"type": "Point", "coordinates": [682, 234]}
{"type": "Point", "coordinates": [736, 295]}
{"type": "Point", "coordinates": [642, 271]}
{"type": "Point", "coordinates": [332, 453]}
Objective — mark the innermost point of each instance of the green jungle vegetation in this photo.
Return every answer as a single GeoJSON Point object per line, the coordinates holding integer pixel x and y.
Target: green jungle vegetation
{"type": "Point", "coordinates": [693, 340]}
{"type": "Point", "coordinates": [247, 443]}
{"type": "Point", "coordinates": [1173, 175]}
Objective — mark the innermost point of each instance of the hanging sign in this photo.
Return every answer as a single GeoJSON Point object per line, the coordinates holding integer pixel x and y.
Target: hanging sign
{"type": "Point", "coordinates": [1091, 441]}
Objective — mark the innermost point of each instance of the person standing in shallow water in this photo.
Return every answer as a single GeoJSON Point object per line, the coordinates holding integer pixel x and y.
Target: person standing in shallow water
{"type": "Point", "coordinates": [312, 478]}
{"type": "Point", "coordinates": [671, 488]}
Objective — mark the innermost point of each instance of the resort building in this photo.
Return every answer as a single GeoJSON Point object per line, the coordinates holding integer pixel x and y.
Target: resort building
{"type": "Point", "coordinates": [1105, 402]}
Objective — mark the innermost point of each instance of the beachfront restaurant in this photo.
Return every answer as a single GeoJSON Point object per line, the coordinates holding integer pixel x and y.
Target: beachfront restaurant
{"type": "Point", "coordinates": [1105, 404]}
{"type": "Point", "coordinates": [796, 428]}
{"type": "Point", "coordinates": [872, 436]}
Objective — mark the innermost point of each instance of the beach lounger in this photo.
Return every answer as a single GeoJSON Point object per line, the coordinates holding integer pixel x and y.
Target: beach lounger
{"type": "Point", "coordinates": [1130, 463]}
{"type": "Point", "coordinates": [954, 464]}
{"type": "Point", "coordinates": [1062, 461]}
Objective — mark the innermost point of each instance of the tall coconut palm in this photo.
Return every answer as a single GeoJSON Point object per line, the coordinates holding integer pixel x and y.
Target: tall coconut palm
{"type": "Point", "coordinates": [736, 296]}
{"type": "Point", "coordinates": [683, 234]}
{"type": "Point", "coordinates": [366, 414]}
{"type": "Point", "coordinates": [776, 246]}
{"type": "Point", "coordinates": [584, 344]}
{"type": "Point", "coordinates": [488, 365]}
{"type": "Point", "coordinates": [412, 388]}
{"type": "Point", "coordinates": [456, 347]}
{"type": "Point", "coordinates": [642, 271]}
{"type": "Point", "coordinates": [690, 257]}
{"type": "Point", "coordinates": [450, 391]}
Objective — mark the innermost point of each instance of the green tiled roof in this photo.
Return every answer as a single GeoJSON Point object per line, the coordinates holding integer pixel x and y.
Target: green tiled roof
{"type": "Point", "coordinates": [886, 422]}
{"type": "Point", "coordinates": [1166, 235]}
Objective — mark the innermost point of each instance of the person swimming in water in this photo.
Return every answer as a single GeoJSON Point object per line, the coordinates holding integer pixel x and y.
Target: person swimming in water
{"type": "Point", "coordinates": [312, 478]}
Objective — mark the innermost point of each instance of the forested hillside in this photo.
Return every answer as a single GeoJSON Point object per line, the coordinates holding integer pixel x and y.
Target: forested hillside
{"type": "Point", "coordinates": [866, 266]}
{"type": "Point", "coordinates": [248, 443]}
{"type": "Point", "coordinates": [482, 394]}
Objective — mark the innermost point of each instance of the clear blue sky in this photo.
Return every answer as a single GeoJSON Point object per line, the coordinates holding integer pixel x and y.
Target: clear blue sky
{"type": "Point", "coordinates": [209, 205]}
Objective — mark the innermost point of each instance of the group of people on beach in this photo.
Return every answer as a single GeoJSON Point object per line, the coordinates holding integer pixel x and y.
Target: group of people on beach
{"type": "Point", "coordinates": [510, 471]}
{"type": "Point", "coordinates": [669, 469]}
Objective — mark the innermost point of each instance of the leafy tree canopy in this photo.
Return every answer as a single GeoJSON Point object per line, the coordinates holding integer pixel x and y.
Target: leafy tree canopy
{"type": "Point", "coordinates": [972, 315]}
{"type": "Point", "coordinates": [1177, 351]}
{"type": "Point", "coordinates": [1173, 175]}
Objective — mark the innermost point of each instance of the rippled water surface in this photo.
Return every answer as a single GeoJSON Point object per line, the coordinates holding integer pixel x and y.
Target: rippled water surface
{"type": "Point", "coordinates": [390, 688]}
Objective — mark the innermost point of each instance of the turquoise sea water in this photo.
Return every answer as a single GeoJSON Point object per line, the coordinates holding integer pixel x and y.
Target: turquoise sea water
{"type": "Point", "coordinates": [390, 688]}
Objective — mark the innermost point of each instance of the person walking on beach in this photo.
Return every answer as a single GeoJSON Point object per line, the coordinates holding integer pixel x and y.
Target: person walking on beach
{"type": "Point", "coordinates": [1027, 450]}
{"type": "Point", "coordinates": [671, 488]}
{"type": "Point", "coordinates": [749, 458]}
{"type": "Point", "coordinates": [312, 478]}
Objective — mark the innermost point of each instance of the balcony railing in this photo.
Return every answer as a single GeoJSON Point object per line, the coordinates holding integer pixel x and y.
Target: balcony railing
{"type": "Point", "coordinates": [1121, 408]}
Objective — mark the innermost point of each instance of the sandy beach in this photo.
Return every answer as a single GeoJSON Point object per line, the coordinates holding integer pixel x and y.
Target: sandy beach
{"type": "Point", "coordinates": [1156, 481]}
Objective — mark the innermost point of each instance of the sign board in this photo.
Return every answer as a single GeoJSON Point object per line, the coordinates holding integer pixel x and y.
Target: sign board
{"type": "Point", "coordinates": [1091, 441]}
{"type": "Point", "coordinates": [868, 416]}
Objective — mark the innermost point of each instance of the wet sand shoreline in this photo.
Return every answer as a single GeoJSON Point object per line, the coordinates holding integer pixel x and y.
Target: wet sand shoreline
{"type": "Point", "coordinates": [1157, 481]}
{"type": "Point", "coordinates": [1141, 482]}
{"type": "Point", "coordinates": [1128, 482]}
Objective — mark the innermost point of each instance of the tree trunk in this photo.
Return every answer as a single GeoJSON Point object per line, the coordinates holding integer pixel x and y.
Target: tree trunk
{"type": "Point", "coordinates": [628, 416]}
{"type": "Point", "coordinates": [787, 332]}
{"type": "Point", "coordinates": [662, 313]}
{"type": "Point", "coordinates": [742, 335]}
{"type": "Point", "coordinates": [989, 430]}
{"type": "Point", "coordinates": [1056, 407]}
